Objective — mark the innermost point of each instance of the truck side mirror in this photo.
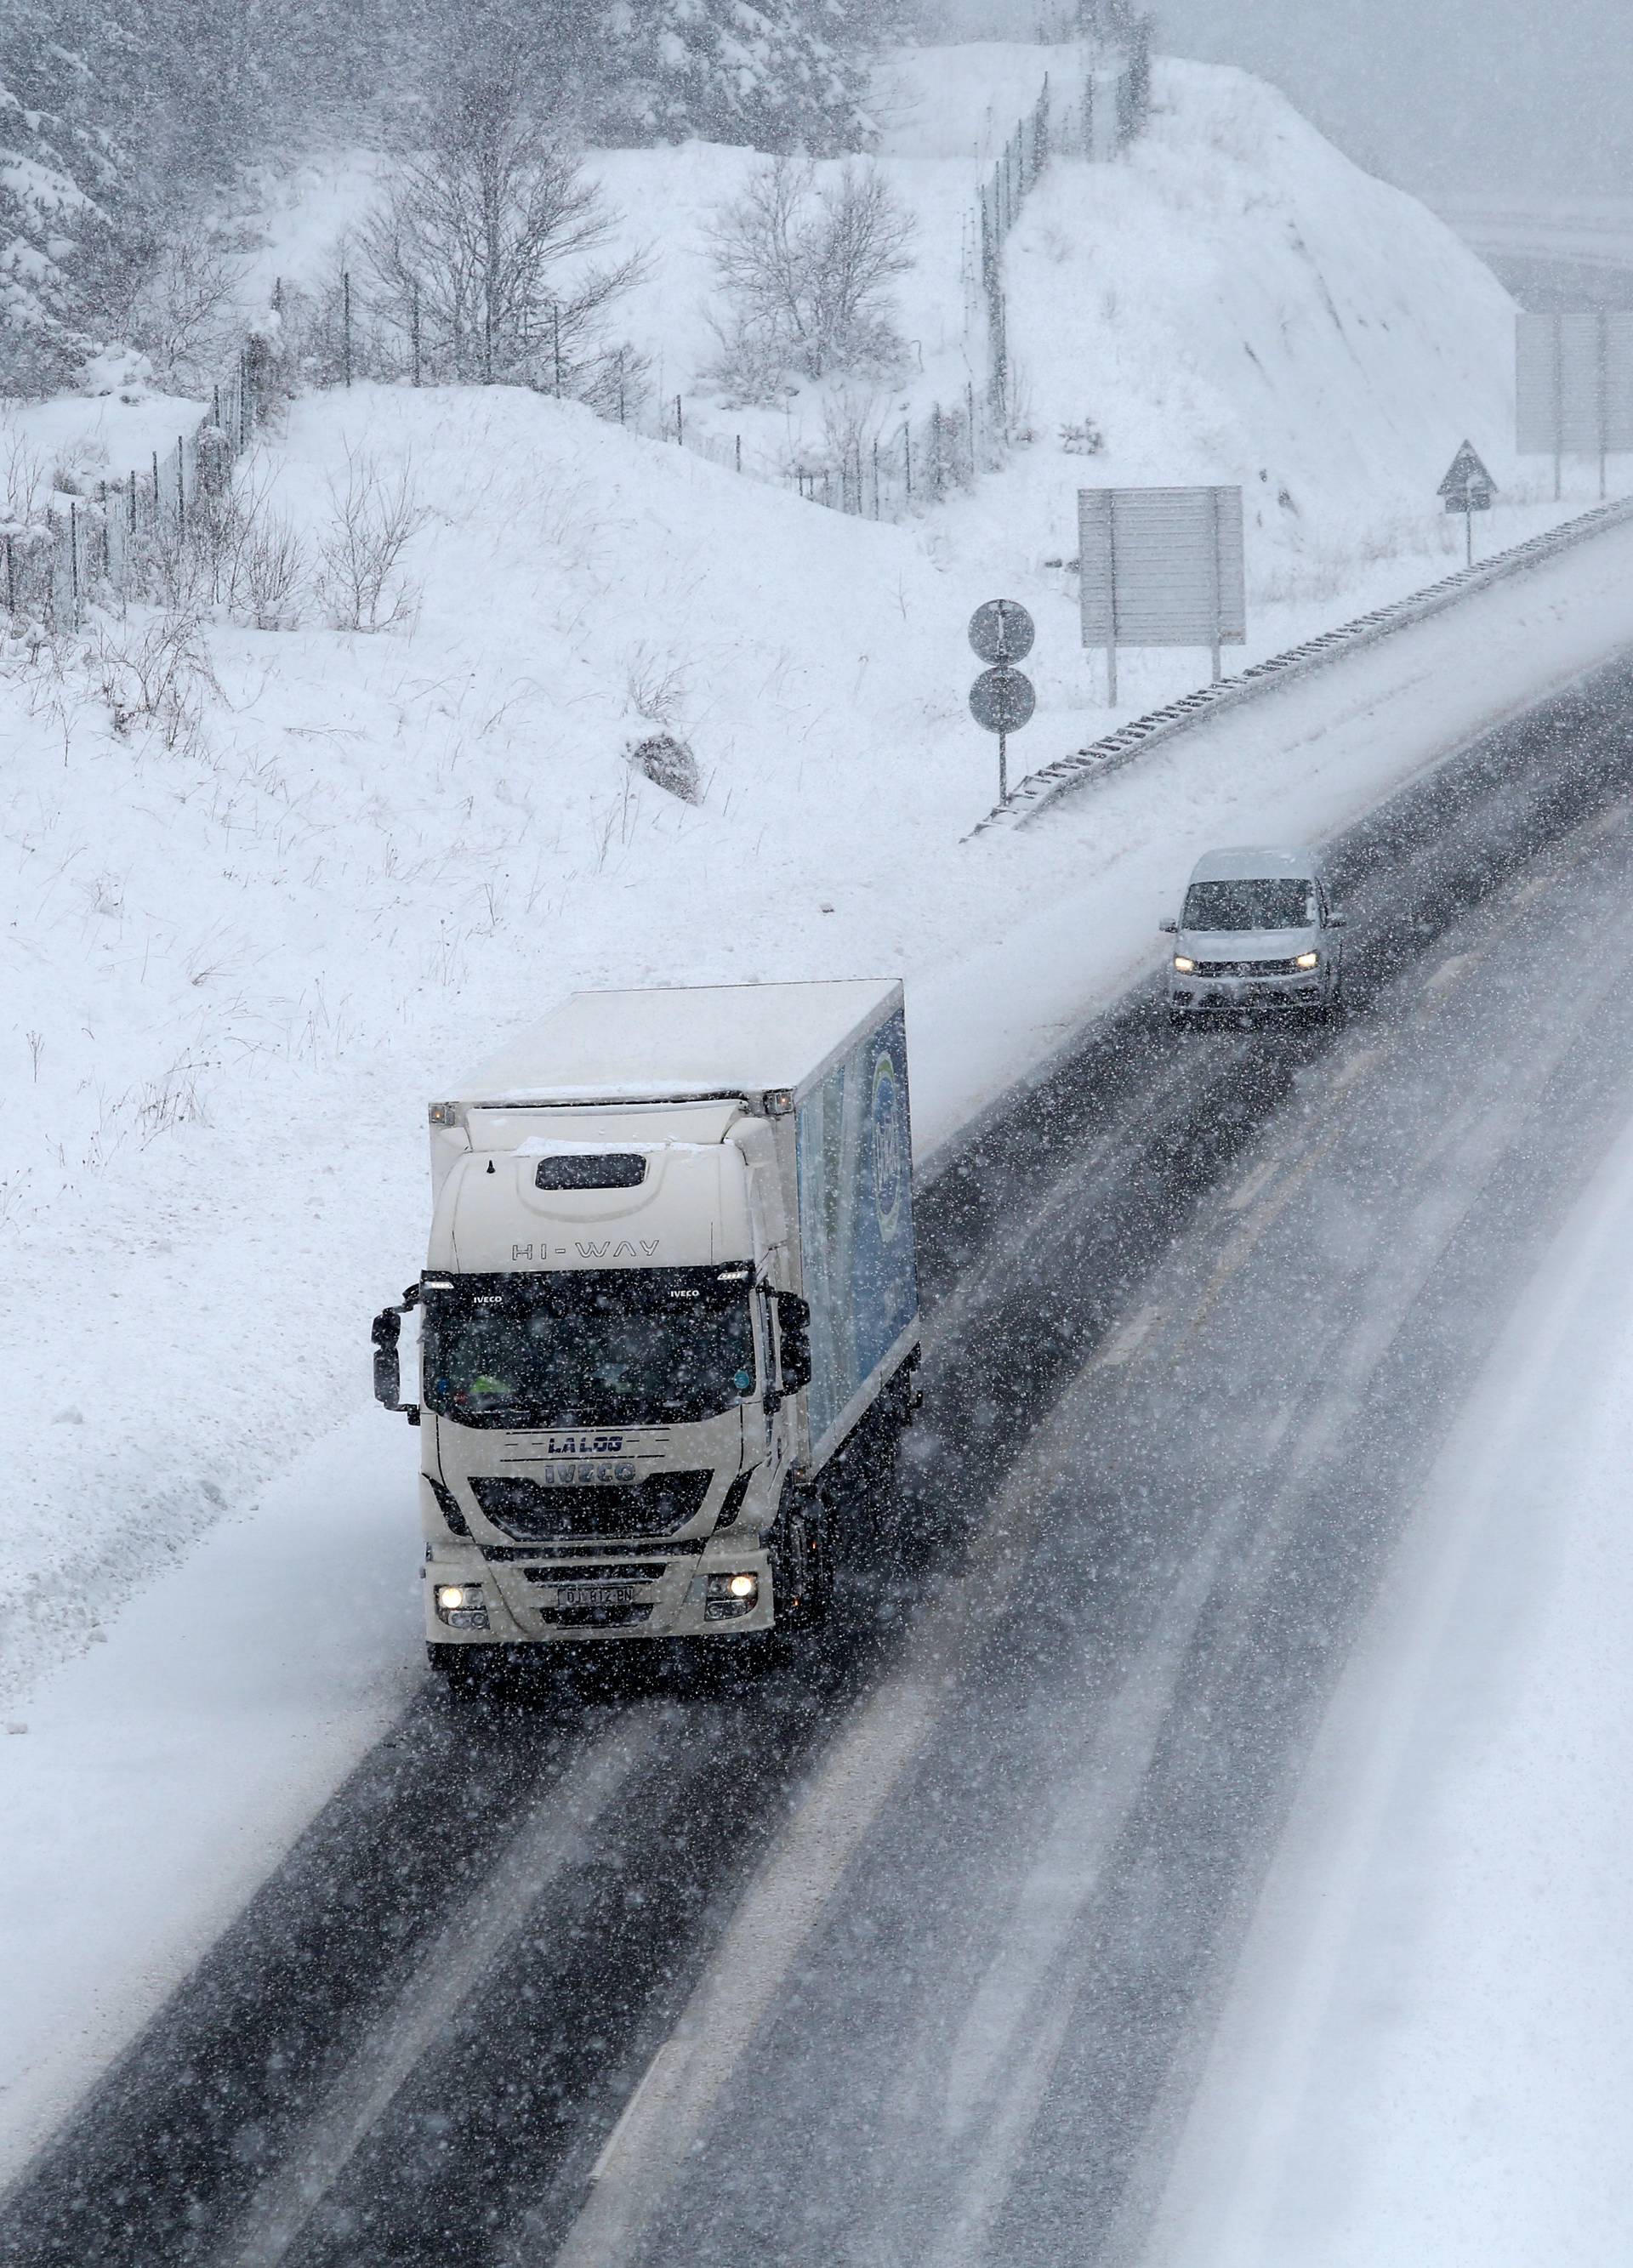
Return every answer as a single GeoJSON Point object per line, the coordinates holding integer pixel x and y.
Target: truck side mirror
{"type": "Point", "coordinates": [1338, 921]}
{"type": "Point", "coordinates": [387, 1330]}
{"type": "Point", "coordinates": [793, 1333]}
{"type": "Point", "coordinates": [387, 1371]}
{"type": "Point", "coordinates": [1169, 928]}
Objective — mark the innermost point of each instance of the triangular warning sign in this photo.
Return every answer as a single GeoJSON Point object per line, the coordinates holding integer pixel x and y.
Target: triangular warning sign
{"type": "Point", "coordinates": [1468, 471]}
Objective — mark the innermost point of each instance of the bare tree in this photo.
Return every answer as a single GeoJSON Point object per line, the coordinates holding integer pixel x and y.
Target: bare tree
{"type": "Point", "coordinates": [376, 515]}
{"type": "Point", "coordinates": [480, 250]}
{"type": "Point", "coordinates": [23, 484]}
{"type": "Point", "coordinates": [184, 313]}
{"type": "Point", "coordinates": [807, 269]}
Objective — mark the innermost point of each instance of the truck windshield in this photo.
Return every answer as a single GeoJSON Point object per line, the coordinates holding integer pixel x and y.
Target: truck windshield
{"type": "Point", "coordinates": [1278, 902]}
{"type": "Point", "coordinates": [654, 1347]}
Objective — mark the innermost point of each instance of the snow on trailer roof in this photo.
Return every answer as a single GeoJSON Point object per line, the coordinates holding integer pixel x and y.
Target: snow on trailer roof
{"type": "Point", "coordinates": [1256, 865]}
{"type": "Point", "coordinates": [664, 1046]}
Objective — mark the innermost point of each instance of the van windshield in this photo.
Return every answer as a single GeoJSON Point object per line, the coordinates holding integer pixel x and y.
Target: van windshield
{"type": "Point", "coordinates": [1278, 902]}
{"type": "Point", "coordinates": [662, 1346]}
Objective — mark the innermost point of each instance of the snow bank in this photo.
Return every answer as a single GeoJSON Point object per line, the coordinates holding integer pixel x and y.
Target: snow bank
{"type": "Point", "coordinates": [88, 437]}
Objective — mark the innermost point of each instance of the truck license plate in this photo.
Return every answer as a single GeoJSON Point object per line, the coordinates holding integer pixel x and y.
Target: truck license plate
{"type": "Point", "coordinates": [576, 1598]}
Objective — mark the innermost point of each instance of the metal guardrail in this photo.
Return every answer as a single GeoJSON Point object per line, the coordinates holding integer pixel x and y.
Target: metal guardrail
{"type": "Point", "coordinates": [1041, 789]}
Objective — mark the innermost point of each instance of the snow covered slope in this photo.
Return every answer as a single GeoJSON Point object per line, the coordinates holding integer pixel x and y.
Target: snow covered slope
{"type": "Point", "coordinates": [1235, 300]}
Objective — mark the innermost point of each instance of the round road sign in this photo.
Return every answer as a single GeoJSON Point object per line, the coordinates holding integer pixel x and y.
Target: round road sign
{"type": "Point", "coordinates": [1002, 700]}
{"type": "Point", "coordinates": [1002, 631]}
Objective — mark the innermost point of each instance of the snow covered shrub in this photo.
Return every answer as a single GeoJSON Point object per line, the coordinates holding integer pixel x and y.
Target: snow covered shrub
{"type": "Point", "coordinates": [78, 465]}
{"type": "Point", "coordinates": [1083, 439]}
{"type": "Point", "coordinates": [158, 673]}
{"type": "Point", "coordinates": [852, 419]}
{"type": "Point", "coordinates": [375, 516]}
{"type": "Point", "coordinates": [655, 687]}
{"type": "Point", "coordinates": [656, 690]}
{"type": "Point", "coordinates": [616, 382]}
{"type": "Point", "coordinates": [668, 763]}
{"type": "Point", "coordinates": [336, 331]}
{"type": "Point", "coordinates": [273, 579]}
{"type": "Point", "coordinates": [806, 265]}
{"type": "Point", "coordinates": [751, 367]}
{"type": "Point", "coordinates": [234, 557]}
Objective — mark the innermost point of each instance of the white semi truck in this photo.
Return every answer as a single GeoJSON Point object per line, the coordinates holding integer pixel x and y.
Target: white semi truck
{"type": "Point", "coordinates": [670, 1318]}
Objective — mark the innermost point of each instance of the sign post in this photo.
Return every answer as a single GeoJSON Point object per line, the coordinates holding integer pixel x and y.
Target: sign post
{"type": "Point", "coordinates": [1468, 487]}
{"type": "Point", "coordinates": [1575, 387]}
{"type": "Point", "coordinates": [1162, 566]}
{"type": "Point", "coordinates": [1002, 700]}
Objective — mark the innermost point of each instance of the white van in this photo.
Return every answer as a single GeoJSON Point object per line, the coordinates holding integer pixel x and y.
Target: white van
{"type": "Point", "coordinates": [1256, 933]}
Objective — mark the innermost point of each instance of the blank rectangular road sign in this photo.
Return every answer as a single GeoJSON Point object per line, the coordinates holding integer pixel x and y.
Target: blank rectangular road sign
{"type": "Point", "coordinates": [1163, 566]}
{"type": "Point", "coordinates": [1575, 384]}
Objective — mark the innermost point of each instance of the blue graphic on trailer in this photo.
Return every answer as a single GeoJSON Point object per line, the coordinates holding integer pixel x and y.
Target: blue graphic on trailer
{"type": "Point", "coordinates": [855, 1178]}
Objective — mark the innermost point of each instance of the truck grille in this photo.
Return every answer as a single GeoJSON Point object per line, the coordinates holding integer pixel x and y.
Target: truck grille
{"type": "Point", "coordinates": [596, 1617]}
{"type": "Point", "coordinates": [597, 1570]}
{"type": "Point", "coordinates": [530, 1512]}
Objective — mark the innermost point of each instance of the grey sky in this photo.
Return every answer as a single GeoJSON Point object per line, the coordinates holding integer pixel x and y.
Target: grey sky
{"type": "Point", "coordinates": [1534, 96]}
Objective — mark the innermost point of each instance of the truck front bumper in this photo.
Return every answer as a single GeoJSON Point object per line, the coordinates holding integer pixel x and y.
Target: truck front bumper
{"type": "Point", "coordinates": [639, 1593]}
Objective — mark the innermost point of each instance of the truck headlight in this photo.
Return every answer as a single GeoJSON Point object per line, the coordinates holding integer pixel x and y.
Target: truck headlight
{"type": "Point", "coordinates": [1184, 965]}
{"type": "Point", "coordinates": [461, 1606]}
{"type": "Point", "coordinates": [1308, 961]}
{"type": "Point", "coordinates": [730, 1595]}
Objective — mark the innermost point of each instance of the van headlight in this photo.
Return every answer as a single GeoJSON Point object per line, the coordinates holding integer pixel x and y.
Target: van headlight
{"type": "Point", "coordinates": [1185, 966]}
{"type": "Point", "coordinates": [1308, 961]}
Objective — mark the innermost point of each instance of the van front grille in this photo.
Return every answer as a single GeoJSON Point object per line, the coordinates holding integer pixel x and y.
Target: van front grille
{"type": "Point", "coordinates": [1247, 968]}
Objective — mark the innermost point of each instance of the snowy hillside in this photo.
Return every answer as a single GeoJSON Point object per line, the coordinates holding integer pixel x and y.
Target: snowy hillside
{"type": "Point", "coordinates": [236, 964]}
{"type": "Point", "coordinates": [1234, 301]}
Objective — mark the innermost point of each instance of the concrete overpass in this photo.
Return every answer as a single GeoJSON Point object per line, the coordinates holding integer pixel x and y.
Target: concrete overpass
{"type": "Point", "coordinates": [1552, 253]}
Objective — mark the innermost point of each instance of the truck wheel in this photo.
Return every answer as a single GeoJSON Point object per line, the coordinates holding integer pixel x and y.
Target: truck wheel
{"type": "Point", "coordinates": [801, 1565]}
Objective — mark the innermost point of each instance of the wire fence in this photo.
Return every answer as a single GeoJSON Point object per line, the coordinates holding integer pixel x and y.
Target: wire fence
{"type": "Point", "coordinates": [866, 461]}
{"type": "Point", "coordinates": [1003, 199]}
{"type": "Point", "coordinates": [117, 543]}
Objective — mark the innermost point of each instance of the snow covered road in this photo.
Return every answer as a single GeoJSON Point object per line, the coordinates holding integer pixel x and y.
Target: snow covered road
{"type": "Point", "coordinates": [1428, 2047]}
{"type": "Point", "coordinates": [1205, 1312]}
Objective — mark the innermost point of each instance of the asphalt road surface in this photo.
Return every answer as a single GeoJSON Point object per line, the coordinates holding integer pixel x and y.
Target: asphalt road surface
{"type": "Point", "coordinates": [908, 1953]}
